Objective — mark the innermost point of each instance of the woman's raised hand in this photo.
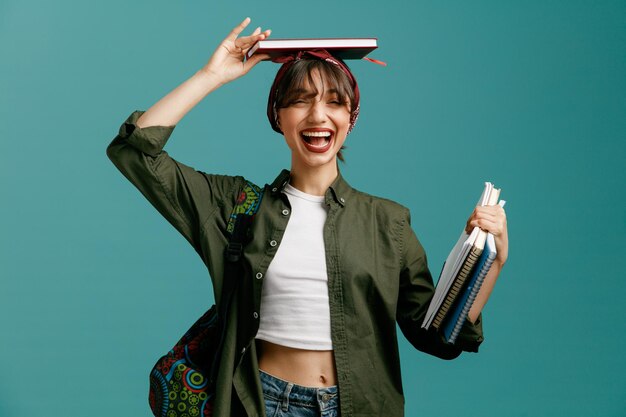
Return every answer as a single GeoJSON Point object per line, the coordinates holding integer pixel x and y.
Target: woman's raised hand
{"type": "Point", "coordinates": [228, 61]}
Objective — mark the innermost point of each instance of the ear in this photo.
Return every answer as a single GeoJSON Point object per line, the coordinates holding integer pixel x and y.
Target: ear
{"type": "Point", "coordinates": [277, 118]}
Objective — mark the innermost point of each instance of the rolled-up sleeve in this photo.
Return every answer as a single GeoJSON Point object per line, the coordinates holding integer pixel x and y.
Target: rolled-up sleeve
{"type": "Point", "coordinates": [185, 197]}
{"type": "Point", "coordinates": [415, 293]}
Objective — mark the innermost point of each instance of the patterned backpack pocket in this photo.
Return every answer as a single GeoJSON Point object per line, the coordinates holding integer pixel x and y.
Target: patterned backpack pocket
{"type": "Point", "coordinates": [179, 383]}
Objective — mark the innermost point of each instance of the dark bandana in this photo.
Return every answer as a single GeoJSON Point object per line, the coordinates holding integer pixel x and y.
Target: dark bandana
{"type": "Point", "coordinates": [288, 61]}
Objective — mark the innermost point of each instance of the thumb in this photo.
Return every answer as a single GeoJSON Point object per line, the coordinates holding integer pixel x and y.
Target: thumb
{"type": "Point", "coordinates": [255, 59]}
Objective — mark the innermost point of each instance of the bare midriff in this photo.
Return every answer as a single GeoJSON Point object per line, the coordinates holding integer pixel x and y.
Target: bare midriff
{"type": "Point", "coordinates": [309, 368]}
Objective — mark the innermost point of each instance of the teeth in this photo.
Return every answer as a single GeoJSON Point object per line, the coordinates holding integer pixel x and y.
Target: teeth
{"type": "Point", "coordinates": [316, 134]}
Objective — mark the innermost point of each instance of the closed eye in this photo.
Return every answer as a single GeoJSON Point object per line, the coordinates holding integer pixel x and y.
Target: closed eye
{"type": "Point", "coordinates": [333, 98]}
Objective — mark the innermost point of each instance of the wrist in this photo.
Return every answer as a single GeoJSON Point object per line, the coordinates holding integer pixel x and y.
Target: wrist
{"type": "Point", "coordinates": [209, 79]}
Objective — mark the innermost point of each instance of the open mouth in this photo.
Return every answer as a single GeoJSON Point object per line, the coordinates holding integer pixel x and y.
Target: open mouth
{"type": "Point", "coordinates": [317, 140]}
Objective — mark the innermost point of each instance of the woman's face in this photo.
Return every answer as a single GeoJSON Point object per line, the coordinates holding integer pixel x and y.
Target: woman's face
{"type": "Point", "coordinates": [315, 124]}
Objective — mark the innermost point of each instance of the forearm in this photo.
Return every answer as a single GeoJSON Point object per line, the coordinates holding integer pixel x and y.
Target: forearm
{"type": "Point", "coordinates": [485, 290]}
{"type": "Point", "coordinates": [175, 105]}
{"type": "Point", "coordinates": [491, 219]}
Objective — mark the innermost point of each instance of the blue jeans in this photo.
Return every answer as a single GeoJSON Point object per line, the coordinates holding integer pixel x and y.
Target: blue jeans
{"type": "Point", "coordinates": [286, 399]}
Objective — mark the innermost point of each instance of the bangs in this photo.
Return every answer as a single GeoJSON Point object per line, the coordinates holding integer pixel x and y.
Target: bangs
{"type": "Point", "coordinates": [295, 81]}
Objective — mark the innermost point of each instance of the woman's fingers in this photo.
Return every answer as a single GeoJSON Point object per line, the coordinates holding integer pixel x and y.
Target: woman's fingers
{"type": "Point", "coordinates": [487, 225]}
{"type": "Point", "coordinates": [489, 211]}
{"type": "Point", "coordinates": [489, 218]}
{"type": "Point", "coordinates": [228, 61]}
{"type": "Point", "coordinates": [492, 219]}
{"type": "Point", "coordinates": [245, 42]}
{"type": "Point", "coordinates": [238, 29]}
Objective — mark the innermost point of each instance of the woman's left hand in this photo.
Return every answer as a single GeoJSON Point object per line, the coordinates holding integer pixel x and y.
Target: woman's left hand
{"type": "Point", "coordinates": [492, 219]}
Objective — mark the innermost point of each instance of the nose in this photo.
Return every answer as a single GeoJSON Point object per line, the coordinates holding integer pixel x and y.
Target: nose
{"type": "Point", "coordinates": [317, 112]}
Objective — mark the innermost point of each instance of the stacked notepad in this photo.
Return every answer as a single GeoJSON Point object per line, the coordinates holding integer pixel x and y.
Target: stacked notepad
{"type": "Point", "coordinates": [462, 275]}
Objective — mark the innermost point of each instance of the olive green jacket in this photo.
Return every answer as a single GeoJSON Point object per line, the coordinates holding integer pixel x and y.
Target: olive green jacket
{"type": "Point", "coordinates": [377, 274]}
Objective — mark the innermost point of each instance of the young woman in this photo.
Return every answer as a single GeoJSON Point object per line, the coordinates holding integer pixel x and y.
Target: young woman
{"type": "Point", "coordinates": [331, 269]}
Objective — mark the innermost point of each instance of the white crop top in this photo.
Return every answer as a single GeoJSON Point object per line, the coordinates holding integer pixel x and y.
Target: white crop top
{"type": "Point", "coordinates": [294, 300]}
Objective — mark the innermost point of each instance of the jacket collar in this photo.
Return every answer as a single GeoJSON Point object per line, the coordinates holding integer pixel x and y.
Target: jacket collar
{"type": "Point", "coordinates": [338, 191]}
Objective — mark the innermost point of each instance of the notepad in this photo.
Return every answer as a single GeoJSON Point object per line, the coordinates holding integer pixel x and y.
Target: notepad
{"type": "Point", "coordinates": [344, 48]}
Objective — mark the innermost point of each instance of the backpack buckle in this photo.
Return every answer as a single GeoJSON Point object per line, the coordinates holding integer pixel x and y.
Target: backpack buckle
{"type": "Point", "coordinates": [234, 251]}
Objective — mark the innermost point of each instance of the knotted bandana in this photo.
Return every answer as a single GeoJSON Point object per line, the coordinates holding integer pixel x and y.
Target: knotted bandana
{"type": "Point", "coordinates": [288, 61]}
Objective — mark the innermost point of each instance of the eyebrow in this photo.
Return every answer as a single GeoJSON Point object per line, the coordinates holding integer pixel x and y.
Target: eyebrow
{"type": "Point", "coordinates": [303, 92]}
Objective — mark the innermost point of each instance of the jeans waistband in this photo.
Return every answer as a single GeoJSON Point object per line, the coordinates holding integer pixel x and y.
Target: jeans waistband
{"type": "Point", "coordinates": [287, 392]}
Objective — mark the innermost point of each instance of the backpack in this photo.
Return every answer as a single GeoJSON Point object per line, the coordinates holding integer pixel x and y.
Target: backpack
{"type": "Point", "coordinates": [182, 382]}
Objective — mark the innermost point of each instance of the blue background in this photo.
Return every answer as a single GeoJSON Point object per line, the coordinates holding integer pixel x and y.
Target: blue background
{"type": "Point", "coordinates": [95, 285]}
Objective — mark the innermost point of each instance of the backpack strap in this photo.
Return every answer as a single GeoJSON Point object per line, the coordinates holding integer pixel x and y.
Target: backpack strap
{"type": "Point", "coordinates": [248, 203]}
{"type": "Point", "coordinates": [239, 222]}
